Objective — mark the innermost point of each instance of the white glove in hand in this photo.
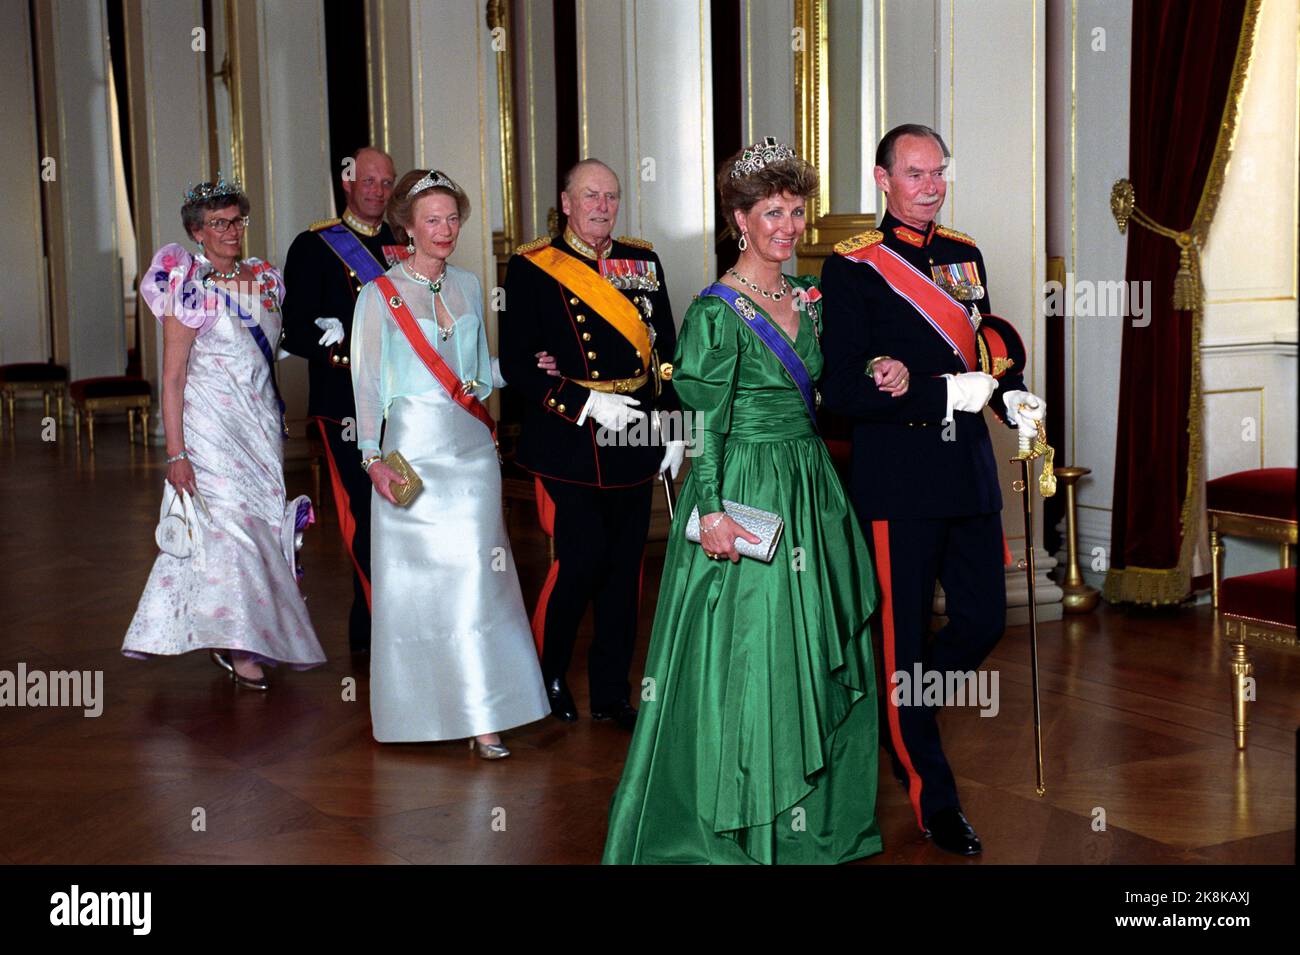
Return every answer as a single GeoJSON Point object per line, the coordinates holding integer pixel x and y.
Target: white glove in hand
{"type": "Point", "coordinates": [1024, 410]}
{"type": "Point", "coordinates": [969, 391]}
{"type": "Point", "coordinates": [674, 454]}
{"type": "Point", "coordinates": [333, 329]}
{"type": "Point", "coordinates": [611, 411]}
{"type": "Point", "coordinates": [498, 380]}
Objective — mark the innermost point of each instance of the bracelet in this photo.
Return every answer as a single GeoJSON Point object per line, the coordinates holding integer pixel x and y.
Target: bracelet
{"type": "Point", "coordinates": [182, 456]}
{"type": "Point", "coordinates": [714, 525]}
{"type": "Point", "coordinates": [366, 462]}
{"type": "Point", "coordinates": [871, 365]}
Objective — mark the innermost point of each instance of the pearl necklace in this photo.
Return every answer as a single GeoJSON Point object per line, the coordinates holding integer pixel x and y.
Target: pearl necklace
{"type": "Point", "coordinates": [435, 286]}
{"type": "Point", "coordinates": [774, 296]}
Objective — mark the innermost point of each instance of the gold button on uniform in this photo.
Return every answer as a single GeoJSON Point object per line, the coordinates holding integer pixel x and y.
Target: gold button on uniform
{"type": "Point", "coordinates": [580, 319]}
{"type": "Point", "coordinates": [560, 409]}
{"type": "Point", "coordinates": [595, 374]}
{"type": "Point", "coordinates": [586, 336]}
{"type": "Point", "coordinates": [551, 402]}
{"type": "Point", "coordinates": [573, 300]}
{"type": "Point", "coordinates": [591, 354]}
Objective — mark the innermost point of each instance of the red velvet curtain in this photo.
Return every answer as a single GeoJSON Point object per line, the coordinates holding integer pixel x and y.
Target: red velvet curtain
{"type": "Point", "coordinates": [1182, 65]}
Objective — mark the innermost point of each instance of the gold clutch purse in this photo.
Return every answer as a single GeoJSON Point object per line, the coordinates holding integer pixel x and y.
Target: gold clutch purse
{"type": "Point", "coordinates": [404, 494]}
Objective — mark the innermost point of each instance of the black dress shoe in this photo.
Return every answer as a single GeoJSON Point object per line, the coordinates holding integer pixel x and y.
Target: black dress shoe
{"type": "Point", "coordinates": [622, 713]}
{"type": "Point", "coordinates": [951, 832]}
{"type": "Point", "coordinates": [562, 705]}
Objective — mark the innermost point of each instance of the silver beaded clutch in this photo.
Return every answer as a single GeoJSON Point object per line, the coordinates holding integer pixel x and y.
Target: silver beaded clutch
{"type": "Point", "coordinates": [764, 525]}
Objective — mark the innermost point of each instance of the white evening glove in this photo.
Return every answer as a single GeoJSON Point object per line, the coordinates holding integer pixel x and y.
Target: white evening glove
{"type": "Point", "coordinates": [498, 380]}
{"type": "Point", "coordinates": [611, 411]}
{"type": "Point", "coordinates": [674, 454]}
{"type": "Point", "coordinates": [1025, 410]}
{"type": "Point", "coordinates": [969, 391]}
{"type": "Point", "coordinates": [333, 329]}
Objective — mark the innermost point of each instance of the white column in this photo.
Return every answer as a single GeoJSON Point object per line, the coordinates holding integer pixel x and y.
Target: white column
{"type": "Point", "coordinates": [646, 108]}
{"type": "Point", "coordinates": [1090, 49]}
{"type": "Point", "coordinates": [169, 140]}
{"type": "Point", "coordinates": [24, 325]}
{"type": "Point", "coordinates": [535, 114]}
{"type": "Point", "coordinates": [83, 196]}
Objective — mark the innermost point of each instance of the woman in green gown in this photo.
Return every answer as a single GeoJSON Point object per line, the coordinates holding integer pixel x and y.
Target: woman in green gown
{"type": "Point", "coordinates": [756, 741]}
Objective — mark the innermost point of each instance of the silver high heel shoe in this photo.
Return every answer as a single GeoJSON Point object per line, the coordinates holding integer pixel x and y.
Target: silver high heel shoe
{"type": "Point", "coordinates": [220, 659]}
{"type": "Point", "coordinates": [488, 750]}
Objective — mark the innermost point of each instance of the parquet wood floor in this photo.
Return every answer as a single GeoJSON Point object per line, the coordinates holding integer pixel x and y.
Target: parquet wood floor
{"type": "Point", "coordinates": [1135, 708]}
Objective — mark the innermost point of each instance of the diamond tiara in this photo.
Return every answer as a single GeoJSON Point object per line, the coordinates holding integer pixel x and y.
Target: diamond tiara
{"type": "Point", "coordinates": [434, 178]}
{"type": "Point", "coordinates": [759, 155]}
{"type": "Point", "coordinates": [213, 190]}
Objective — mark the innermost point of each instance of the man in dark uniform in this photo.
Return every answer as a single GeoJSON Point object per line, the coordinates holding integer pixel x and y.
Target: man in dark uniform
{"type": "Point", "coordinates": [325, 268]}
{"type": "Point", "coordinates": [924, 481]}
{"type": "Point", "coordinates": [600, 307]}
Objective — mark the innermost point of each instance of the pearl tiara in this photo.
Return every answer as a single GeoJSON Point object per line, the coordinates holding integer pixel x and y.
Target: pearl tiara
{"type": "Point", "coordinates": [759, 155]}
{"type": "Point", "coordinates": [213, 190]}
{"type": "Point", "coordinates": [433, 178]}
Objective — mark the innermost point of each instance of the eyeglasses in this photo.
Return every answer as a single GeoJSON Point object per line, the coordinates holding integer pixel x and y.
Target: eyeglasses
{"type": "Point", "coordinates": [221, 225]}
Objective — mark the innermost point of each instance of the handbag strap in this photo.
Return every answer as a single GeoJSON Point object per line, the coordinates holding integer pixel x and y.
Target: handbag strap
{"type": "Point", "coordinates": [401, 313]}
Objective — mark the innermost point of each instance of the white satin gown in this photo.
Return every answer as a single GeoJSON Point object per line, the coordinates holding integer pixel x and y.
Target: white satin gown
{"type": "Point", "coordinates": [452, 654]}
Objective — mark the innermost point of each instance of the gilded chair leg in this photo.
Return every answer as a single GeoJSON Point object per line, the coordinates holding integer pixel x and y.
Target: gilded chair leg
{"type": "Point", "coordinates": [9, 402]}
{"type": "Point", "coordinates": [46, 396]}
{"type": "Point", "coordinates": [130, 425]}
{"type": "Point", "coordinates": [144, 424]}
{"type": "Point", "coordinates": [90, 430]}
{"type": "Point", "coordinates": [76, 423]}
{"type": "Point", "coordinates": [1216, 565]}
{"type": "Point", "coordinates": [1285, 554]}
{"type": "Point", "coordinates": [59, 399]}
{"type": "Point", "coordinates": [1241, 673]}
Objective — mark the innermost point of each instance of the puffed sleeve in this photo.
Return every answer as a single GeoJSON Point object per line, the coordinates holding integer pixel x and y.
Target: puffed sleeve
{"type": "Point", "coordinates": [367, 361]}
{"type": "Point", "coordinates": [168, 289]}
{"type": "Point", "coordinates": [708, 352]}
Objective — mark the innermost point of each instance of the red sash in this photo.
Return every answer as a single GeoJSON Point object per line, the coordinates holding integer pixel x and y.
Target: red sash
{"type": "Point", "coordinates": [945, 314]}
{"type": "Point", "coordinates": [401, 313]}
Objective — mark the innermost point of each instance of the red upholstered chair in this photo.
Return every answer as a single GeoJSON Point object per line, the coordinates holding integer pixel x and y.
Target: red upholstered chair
{"type": "Point", "coordinates": [92, 396]}
{"type": "Point", "coordinates": [49, 379]}
{"type": "Point", "coordinates": [1259, 504]}
{"type": "Point", "coordinates": [1256, 610]}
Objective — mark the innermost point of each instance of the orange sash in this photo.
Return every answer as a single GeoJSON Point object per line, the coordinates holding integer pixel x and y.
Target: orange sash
{"type": "Point", "coordinates": [588, 285]}
{"type": "Point", "coordinates": [945, 314]}
{"type": "Point", "coordinates": [401, 313]}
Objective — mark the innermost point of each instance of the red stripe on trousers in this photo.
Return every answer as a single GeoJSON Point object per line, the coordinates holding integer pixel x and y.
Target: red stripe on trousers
{"type": "Point", "coordinates": [880, 534]}
{"type": "Point", "coordinates": [347, 523]}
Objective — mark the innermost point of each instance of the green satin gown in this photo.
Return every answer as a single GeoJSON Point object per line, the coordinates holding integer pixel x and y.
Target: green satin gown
{"type": "Point", "coordinates": [756, 741]}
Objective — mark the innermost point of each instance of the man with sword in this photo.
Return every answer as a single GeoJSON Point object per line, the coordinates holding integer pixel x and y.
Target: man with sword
{"type": "Point", "coordinates": [924, 480]}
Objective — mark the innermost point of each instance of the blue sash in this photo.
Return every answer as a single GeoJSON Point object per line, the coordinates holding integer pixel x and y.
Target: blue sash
{"type": "Point", "coordinates": [354, 255]}
{"type": "Point", "coordinates": [770, 336]}
{"type": "Point", "coordinates": [264, 345]}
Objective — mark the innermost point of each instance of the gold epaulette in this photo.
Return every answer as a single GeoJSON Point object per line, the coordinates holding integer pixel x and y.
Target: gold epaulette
{"type": "Point", "coordinates": [637, 243]}
{"type": "Point", "coordinates": [947, 233]}
{"type": "Point", "coordinates": [323, 224]}
{"type": "Point", "coordinates": [860, 241]}
{"type": "Point", "coordinates": [537, 243]}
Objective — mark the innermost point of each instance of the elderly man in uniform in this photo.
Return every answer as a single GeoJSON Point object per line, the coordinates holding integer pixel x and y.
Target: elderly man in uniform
{"type": "Point", "coordinates": [600, 306]}
{"type": "Point", "coordinates": [924, 480]}
{"type": "Point", "coordinates": [325, 268]}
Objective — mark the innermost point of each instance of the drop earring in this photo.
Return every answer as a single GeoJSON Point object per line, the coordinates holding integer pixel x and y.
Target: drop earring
{"type": "Point", "coordinates": [410, 246]}
{"type": "Point", "coordinates": [744, 241]}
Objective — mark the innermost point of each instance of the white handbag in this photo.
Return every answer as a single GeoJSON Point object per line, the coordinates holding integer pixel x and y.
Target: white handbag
{"type": "Point", "coordinates": [178, 532]}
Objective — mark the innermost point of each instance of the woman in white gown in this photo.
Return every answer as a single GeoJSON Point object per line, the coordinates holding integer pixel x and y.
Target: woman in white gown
{"type": "Point", "coordinates": [452, 654]}
{"type": "Point", "coordinates": [237, 594]}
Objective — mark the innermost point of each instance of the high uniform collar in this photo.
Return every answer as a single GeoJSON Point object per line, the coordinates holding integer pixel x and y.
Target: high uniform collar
{"type": "Point", "coordinates": [356, 225]}
{"type": "Point", "coordinates": [585, 250]}
{"type": "Point", "coordinates": [905, 233]}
